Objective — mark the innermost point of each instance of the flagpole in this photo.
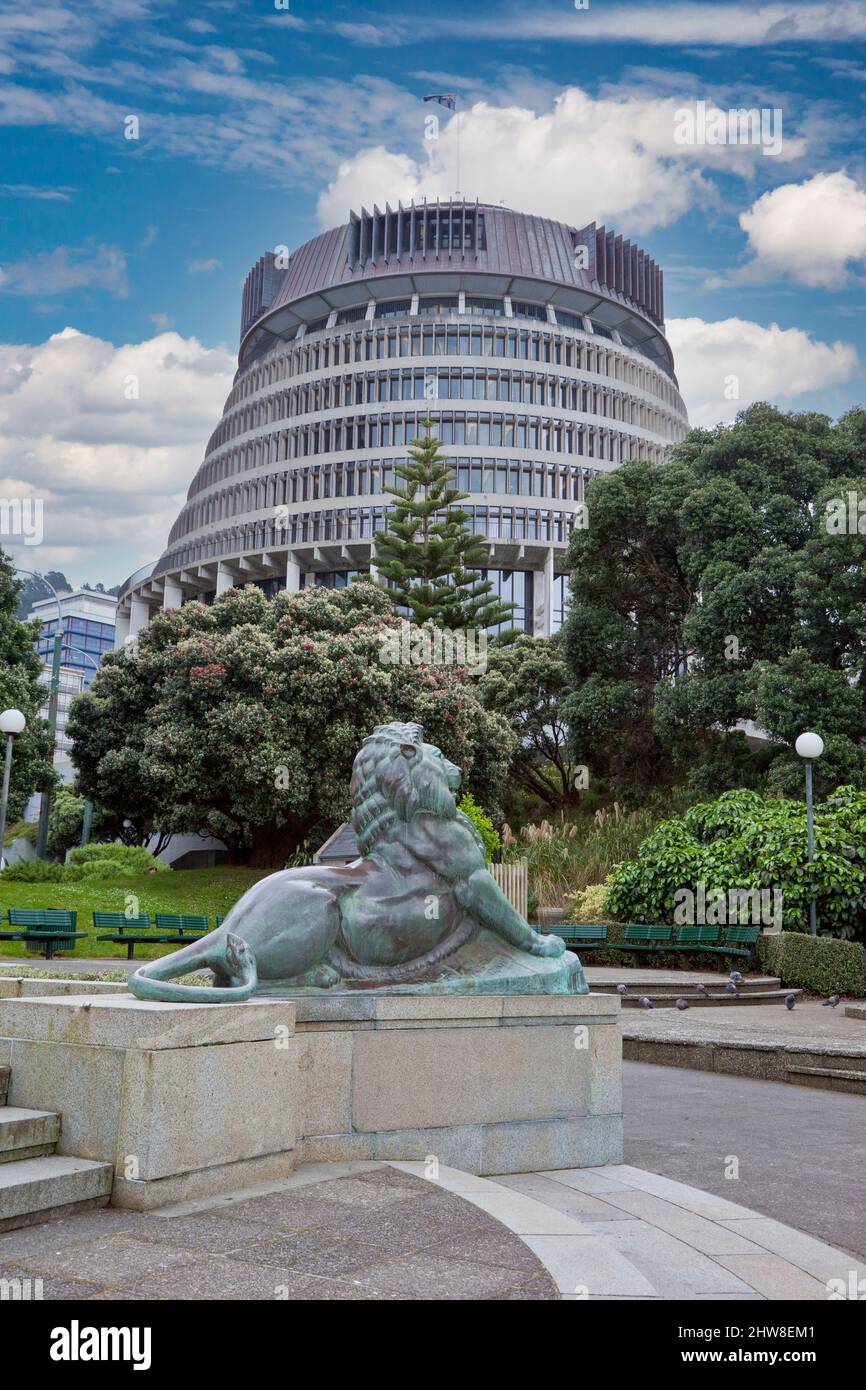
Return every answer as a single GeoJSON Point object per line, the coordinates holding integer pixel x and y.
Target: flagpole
{"type": "Point", "coordinates": [459, 114]}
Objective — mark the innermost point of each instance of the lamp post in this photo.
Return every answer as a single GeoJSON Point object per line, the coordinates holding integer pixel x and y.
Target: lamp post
{"type": "Point", "coordinates": [810, 746]}
{"type": "Point", "coordinates": [12, 722]}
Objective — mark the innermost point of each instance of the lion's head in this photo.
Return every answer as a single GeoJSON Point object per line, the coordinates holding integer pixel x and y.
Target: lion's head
{"type": "Point", "coordinates": [396, 775]}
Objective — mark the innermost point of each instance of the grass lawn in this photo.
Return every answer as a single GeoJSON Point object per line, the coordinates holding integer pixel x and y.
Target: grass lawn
{"type": "Point", "coordinates": [210, 891]}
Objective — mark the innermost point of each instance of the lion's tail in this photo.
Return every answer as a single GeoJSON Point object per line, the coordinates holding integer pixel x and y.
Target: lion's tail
{"type": "Point", "coordinates": [153, 981]}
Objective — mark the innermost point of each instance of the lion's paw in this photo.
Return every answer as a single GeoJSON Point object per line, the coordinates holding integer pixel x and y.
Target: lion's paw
{"type": "Point", "coordinates": [324, 977]}
{"type": "Point", "coordinates": [547, 946]}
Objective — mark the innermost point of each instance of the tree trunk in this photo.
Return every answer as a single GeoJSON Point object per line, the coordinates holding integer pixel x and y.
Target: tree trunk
{"type": "Point", "coordinates": [272, 845]}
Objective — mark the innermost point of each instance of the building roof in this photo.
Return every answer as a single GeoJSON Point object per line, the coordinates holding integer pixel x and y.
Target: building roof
{"type": "Point", "coordinates": [463, 245]}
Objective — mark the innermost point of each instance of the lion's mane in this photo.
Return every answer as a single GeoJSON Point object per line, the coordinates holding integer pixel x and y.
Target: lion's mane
{"type": "Point", "coordinates": [388, 787]}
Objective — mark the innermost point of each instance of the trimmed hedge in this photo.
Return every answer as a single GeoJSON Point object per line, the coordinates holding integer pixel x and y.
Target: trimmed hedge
{"type": "Point", "coordinates": [820, 964]}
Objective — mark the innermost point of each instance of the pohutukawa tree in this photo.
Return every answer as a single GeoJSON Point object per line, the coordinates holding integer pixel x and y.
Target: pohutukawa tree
{"type": "Point", "coordinates": [427, 551]}
{"type": "Point", "coordinates": [241, 719]}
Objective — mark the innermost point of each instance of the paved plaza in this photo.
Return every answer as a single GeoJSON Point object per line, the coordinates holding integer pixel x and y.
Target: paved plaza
{"type": "Point", "coordinates": [385, 1232]}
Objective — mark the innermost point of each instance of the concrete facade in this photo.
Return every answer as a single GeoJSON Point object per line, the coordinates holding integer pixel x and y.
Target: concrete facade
{"type": "Point", "coordinates": [536, 348]}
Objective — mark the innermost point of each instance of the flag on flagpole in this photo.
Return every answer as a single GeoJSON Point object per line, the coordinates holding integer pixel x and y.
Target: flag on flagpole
{"type": "Point", "coordinates": [444, 99]}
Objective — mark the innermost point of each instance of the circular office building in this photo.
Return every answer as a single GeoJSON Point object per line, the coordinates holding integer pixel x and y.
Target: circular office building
{"type": "Point", "coordinates": [537, 349]}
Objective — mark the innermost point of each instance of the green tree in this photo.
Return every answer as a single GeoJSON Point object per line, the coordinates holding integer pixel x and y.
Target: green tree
{"type": "Point", "coordinates": [427, 551]}
{"type": "Point", "coordinates": [242, 718]}
{"type": "Point", "coordinates": [20, 669]}
{"type": "Point", "coordinates": [526, 683]}
{"type": "Point", "coordinates": [710, 591]}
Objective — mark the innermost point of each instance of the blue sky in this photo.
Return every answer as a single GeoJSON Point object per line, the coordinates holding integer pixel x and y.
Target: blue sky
{"type": "Point", "coordinates": [123, 258]}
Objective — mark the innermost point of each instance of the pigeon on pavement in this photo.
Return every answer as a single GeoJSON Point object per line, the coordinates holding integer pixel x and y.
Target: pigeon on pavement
{"type": "Point", "coordinates": [681, 1004]}
{"type": "Point", "coordinates": [621, 989]}
{"type": "Point", "coordinates": [736, 977]}
{"type": "Point", "coordinates": [731, 987]}
{"type": "Point", "coordinates": [645, 1002]}
{"type": "Point", "coordinates": [790, 1001]}
{"type": "Point", "coordinates": [832, 1001]}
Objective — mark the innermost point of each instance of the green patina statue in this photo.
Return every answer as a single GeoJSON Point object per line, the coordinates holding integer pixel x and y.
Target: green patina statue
{"type": "Point", "coordinates": [420, 912]}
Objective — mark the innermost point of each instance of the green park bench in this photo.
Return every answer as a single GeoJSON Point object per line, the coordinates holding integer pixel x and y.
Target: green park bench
{"type": "Point", "coordinates": [135, 931]}
{"type": "Point", "coordinates": [184, 926]}
{"type": "Point", "coordinates": [737, 941]}
{"type": "Point", "coordinates": [638, 937]}
{"type": "Point", "coordinates": [50, 929]}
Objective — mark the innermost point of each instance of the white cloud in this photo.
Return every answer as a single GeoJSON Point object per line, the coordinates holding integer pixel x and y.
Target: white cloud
{"type": "Point", "coordinates": [29, 190]}
{"type": "Point", "coordinates": [67, 268]}
{"type": "Point", "coordinates": [612, 157]}
{"type": "Point", "coordinates": [113, 469]}
{"type": "Point", "coordinates": [734, 25]}
{"type": "Point", "coordinates": [202, 267]}
{"type": "Point", "coordinates": [724, 366]}
{"type": "Point", "coordinates": [810, 231]}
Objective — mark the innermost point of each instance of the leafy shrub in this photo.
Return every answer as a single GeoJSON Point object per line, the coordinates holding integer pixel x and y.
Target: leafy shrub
{"type": "Point", "coordinates": [590, 904]}
{"type": "Point", "coordinates": [820, 964]}
{"type": "Point", "coordinates": [112, 860]}
{"type": "Point", "coordinates": [483, 824]}
{"type": "Point", "coordinates": [743, 842]}
{"type": "Point", "coordinates": [33, 871]}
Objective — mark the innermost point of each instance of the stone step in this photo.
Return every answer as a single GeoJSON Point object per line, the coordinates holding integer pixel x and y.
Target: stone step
{"type": "Point", "coordinates": [36, 1189]}
{"type": "Point", "coordinates": [716, 1000]}
{"type": "Point", "coordinates": [5, 1073]}
{"type": "Point", "coordinates": [757, 984]}
{"type": "Point", "coordinates": [27, 1133]}
{"type": "Point", "coordinates": [829, 1078]}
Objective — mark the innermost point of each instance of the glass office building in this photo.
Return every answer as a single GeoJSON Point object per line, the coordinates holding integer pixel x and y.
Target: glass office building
{"type": "Point", "coordinates": [88, 628]}
{"type": "Point", "coordinates": [537, 349]}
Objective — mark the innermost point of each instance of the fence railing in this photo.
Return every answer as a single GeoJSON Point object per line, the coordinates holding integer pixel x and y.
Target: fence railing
{"type": "Point", "coordinates": [513, 879]}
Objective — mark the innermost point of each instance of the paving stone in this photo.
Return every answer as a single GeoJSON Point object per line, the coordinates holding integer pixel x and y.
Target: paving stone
{"type": "Point", "coordinates": [524, 1214]}
{"type": "Point", "coordinates": [51, 1289]}
{"type": "Point", "coordinates": [216, 1278]}
{"type": "Point", "coordinates": [702, 1234]}
{"type": "Point", "coordinates": [426, 1276]}
{"type": "Point", "coordinates": [213, 1233]}
{"type": "Point", "coordinates": [389, 1176]}
{"type": "Point", "coordinates": [589, 1180]}
{"type": "Point", "coordinates": [813, 1256]}
{"type": "Point", "coordinates": [680, 1194]}
{"type": "Point", "coordinates": [774, 1277]}
{"type": "Point", "coordinates": [289, 1211]}
{"type": "Point", "coordinates": [675, 1270]}
{"type": "Point", "coordinates": [590, 1263]}
{"type": "Point", "coordinates": [109, 1260]}
{"type": "Point", "coordinates": [365, 1192]}
{"type": "Point", "coordinates": [409, 1225]}
{"type": "Point", "coordinates": [489, 1247]}
{"type": "Point", "coordinates": [541, 1287]}
{"type": "Point", "coordinates": [65, 1230]}
{"type": "Point", "coordinates": [314, 1252]}
{"type": "Point", "coordinates": [569, 1200]}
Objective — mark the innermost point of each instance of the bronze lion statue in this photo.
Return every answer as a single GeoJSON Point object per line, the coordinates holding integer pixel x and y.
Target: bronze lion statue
{"type": "Point", "coordinates": [420, 892]}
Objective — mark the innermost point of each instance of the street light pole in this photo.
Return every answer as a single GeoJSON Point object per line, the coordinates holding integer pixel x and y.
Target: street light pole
{"type": "Point", "coordinates": [810, 746]}
{"type": "Point", "coordinates": [12, 722]}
